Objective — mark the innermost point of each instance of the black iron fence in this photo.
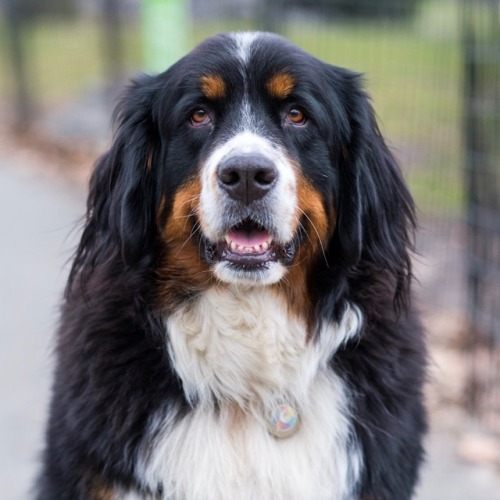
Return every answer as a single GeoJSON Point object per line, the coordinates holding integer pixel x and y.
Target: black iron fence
{"type": "Point", "coordinates": [481, 26]}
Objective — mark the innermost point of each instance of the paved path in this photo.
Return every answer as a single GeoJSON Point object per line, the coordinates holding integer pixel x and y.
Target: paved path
{"type": "Point", "coordinates": [36, 218]}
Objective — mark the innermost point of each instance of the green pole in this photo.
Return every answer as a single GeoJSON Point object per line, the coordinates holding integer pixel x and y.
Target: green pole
{"type": "Point", "coordinates": [165, 33]}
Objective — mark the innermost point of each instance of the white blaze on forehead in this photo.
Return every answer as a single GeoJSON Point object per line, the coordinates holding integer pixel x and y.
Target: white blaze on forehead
{"type": "Point", "coordinates": [244, 41]}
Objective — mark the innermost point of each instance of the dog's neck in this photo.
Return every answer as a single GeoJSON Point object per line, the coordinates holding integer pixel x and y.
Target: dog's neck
{"type": "Point", "coordinates": [240, 346]}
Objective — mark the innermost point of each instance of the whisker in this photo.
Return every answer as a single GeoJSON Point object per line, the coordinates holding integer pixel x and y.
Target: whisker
{"type": "Point", "coordinates": [305, 230]}
{"type": "Point", "coordinates": [190, 200]}
{"type": "Point", "coordinates": [196, 229]}
{"type": "Point", "coordinates": [317, 234]}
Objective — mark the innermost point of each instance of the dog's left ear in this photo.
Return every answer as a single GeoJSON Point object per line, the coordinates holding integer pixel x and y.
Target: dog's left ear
{"type": "Point", "coordinates": [375, 211]}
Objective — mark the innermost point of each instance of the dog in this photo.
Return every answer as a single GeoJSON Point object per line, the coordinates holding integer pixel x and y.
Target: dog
{"type": "Point", "coordinates": [238, 320]}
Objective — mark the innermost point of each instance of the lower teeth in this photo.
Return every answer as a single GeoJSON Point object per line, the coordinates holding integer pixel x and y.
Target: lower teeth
{"type": "Point", "coordinates": [255, 249]}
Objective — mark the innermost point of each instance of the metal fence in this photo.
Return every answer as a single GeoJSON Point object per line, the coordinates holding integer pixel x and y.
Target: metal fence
{"type": "Point", "coordinates": [482, 180]}
{"type": "Point", "coordinates": [431, 66]}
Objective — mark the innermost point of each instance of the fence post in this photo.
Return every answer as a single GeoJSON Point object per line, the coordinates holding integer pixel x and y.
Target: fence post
{"type": "Point", "coordinates": [113, 53]}
{"type": "Point", "coordinates": [481, 43]}
{"type": "Point", "coordinates": [165, 32]}
{"type": "Point", "coordinates": [24, 106]}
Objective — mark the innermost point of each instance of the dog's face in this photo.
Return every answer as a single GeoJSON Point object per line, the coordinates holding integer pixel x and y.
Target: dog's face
{"type": "Point", "coordinates": [249, 161]}
{"type": "Point", "coordinates": [253, 122]}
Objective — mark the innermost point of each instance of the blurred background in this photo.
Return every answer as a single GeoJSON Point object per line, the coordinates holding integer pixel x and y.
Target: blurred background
{"type": "Point", "coordinates": [432, 68]}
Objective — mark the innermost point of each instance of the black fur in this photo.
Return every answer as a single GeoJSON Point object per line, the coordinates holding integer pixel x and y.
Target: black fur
{"type": "Point", "coordinates": [113, 370]}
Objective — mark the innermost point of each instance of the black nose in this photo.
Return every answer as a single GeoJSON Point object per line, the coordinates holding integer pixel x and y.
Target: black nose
{"type": "Point", "coordinates": [247, 178]}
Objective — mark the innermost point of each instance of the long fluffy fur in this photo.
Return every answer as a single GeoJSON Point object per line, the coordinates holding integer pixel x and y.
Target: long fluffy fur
{"type": "Point", "coordinates": [165, 375]}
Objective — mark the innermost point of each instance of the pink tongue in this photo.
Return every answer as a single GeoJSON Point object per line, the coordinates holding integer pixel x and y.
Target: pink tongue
{"type": "Point", "coordinates": [249, 238]}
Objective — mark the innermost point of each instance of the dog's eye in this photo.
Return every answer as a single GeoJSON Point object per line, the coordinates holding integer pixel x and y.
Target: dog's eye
{"type": "Point", "coordinates": [295, 116]}
{"type": "Point", "coordinates": [200, 117]}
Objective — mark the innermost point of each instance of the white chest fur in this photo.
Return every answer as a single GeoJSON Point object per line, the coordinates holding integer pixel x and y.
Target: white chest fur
{"type": "Point", "coordinates": [238, 353]}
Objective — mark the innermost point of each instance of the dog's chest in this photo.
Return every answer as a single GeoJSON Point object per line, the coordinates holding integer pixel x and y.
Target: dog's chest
{"type": "Point", "coordinates": [238, 345]}
{"type": "Point", "coordinates": [239, 355]}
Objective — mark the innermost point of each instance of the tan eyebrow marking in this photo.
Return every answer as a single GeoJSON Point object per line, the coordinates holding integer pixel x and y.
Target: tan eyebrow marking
{"type": "Point", "coordinates": [281, 85]}
{"type": "Point", "coordinates": [213, 86]}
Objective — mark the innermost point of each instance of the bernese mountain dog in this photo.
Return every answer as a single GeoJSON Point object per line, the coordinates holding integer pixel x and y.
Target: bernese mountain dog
{"type": "Point", "coordinates": [238, 322]}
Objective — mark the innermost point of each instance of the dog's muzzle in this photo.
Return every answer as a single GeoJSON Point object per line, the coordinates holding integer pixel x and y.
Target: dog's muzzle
{"type": "Point", "coordinates": [248, 211]}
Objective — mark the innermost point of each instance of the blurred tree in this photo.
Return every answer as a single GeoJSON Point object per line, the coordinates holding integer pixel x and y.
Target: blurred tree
{"type": "Point", "coordinates": [387, 9]}
{"type": "Point", "coordinates": [20, 14]}
{"type": "Point", "coordinates": [29, 10]}
{"type": "Point", "coordinates": [112, 42]}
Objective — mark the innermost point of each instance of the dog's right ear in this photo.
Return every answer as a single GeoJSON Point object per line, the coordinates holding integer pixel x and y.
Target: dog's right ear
{"type": "Point", "coordinates": [375, 211]}
{"type": "Point", "coordinates": [123, 191]}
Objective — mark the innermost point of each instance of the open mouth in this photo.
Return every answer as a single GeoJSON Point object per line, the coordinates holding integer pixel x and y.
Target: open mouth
{"type": "Point", "coordinates": [249, 246]}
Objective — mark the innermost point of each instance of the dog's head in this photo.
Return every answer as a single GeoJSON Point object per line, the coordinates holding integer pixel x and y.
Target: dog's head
{"type": "Point", "coordinates": [248, 161]}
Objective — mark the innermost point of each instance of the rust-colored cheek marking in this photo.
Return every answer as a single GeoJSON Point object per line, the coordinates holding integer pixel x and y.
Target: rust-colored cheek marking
{"type": "Point", "coordinates": [213, 87]}
{"type": "Point", "coordinates": [182, 272]}
{"type": "Point", "coordinates": [184, 207]}
{"type": "Point", "coordinates": [280, 86]}
{"type": "Point", "coordinates": [318, 223]}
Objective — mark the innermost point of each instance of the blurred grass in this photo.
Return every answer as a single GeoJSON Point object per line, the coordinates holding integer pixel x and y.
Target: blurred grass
{"type": "Point", "coordinates": [66, 57]}
{"type": "Point", "coordinates": [411, 70]}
